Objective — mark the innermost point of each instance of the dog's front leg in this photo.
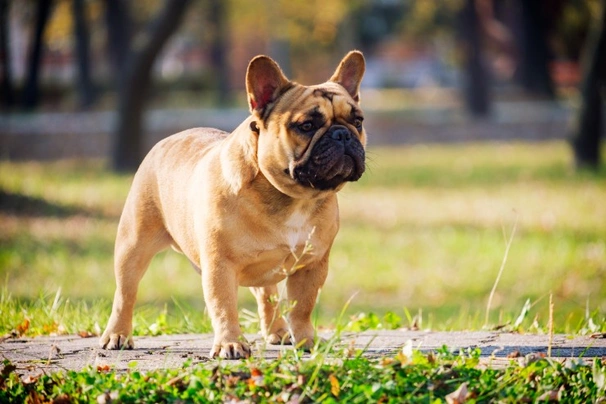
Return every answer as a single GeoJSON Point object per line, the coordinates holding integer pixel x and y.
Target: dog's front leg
{"type": "Point", "coordinates": [302, 288]}
{"type": "Point", "coordinates": [220, 285]}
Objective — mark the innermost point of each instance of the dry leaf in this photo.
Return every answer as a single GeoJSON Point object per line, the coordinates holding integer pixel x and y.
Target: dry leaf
{"type": "Point", "coordinates": [254, 372]}
{"type": "Point", "coordinates": [23, 327]}
{"type": "Point", "coordinates": [458, 396]}
{"type": "Point", "coordinates": [29, 379]}
{"type": "Point", "coordinates": [107, 397]}
{"type": "Point", "coordinates": [514, 354]}
{"type": "Point", "coordinates": [549, 396]}
{"type": "Point", "coordinates": [335, 389]}
{"type": "Point", "coordinates": [62, 399]}
{"type": "Point", "coordinates": [103, 368]}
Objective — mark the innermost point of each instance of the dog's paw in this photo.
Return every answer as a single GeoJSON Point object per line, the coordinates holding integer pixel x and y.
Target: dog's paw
{"type": "Point", "coordinates": [308, 343]}
{"type": "Point", "coordinates": [280, 337]}
{"type": "Point", "coordinates": [116, 341]}
{"type": "Point", "coordinates": [230, 350]}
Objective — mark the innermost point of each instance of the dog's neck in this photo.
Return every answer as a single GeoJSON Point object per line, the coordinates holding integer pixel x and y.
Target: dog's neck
{"type": "Point", "coordinates": [278, 203]}
{"type": "Point", "coordinates": [238, 157]}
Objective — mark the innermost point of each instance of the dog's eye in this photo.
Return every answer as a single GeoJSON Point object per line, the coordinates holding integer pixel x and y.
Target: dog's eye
{"type": "Point", "coordinates": [306, 126]}
{"type": "Point", "coordinates": [358, 123]}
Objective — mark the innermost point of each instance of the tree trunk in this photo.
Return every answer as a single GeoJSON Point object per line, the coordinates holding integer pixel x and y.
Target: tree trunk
{"type": "Point", "coordinates": [128, 150]}
{"type": "Point", "coordinates": [118, 23]}
{"type": "Point", "coordinates": [533, 71]}
{"type": "Point", "coordinates": [218, 15]}
{"type": "Point", "coordinates": [31, 91]}
{"type": "Point", "coordinates": [85, 85]}
{"type": "Point", "coordinates": [586, 138]}
{"type": "Point", "coordinates": [6, 85]}
{"type": "Point", "coordinates": [475, 85]}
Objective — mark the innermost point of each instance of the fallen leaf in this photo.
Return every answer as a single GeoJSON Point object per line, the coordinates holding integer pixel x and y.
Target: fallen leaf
{"type": "Point", "coordinates": [33, 398]}
{"type": "Point", "coordinates": [85, 334]}
{"type": "Point", "coordinates": [514, 354]}
{"type": "Point", "coordinates": [335, 389]}
{"type": "Point", "coordinates": [107, 397]}
{"type": "Point", "coordinates": [177, 380]}
{"type": "Point", "coordinates": [598, 335]}
{"type": "Point", "coordinates": [23, 327]}
{"type": "Point", "coordinates": [405, 354]}
{"type": "Point", "coordinates": [62, 399]}
{"type": "Point", "coordinates": [29, 379]}
{"type": "Point", "coordinates": [295, 399]}
{"type": "Point", "coordinates": [549, 396]}
{"type": "Point", "coordinates": [103, 368]}
{"type": "Point", "coordinates": [50, 328]}
{"type": "Point", "coordinates": [458, 396]}
{"type": "Point", "coordinates": [533, 357]}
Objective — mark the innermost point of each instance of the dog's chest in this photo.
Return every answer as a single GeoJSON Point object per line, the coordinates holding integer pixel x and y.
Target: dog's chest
{"type": "Point", "coordinates": [297, 231]}
{"type": "Point", "coordinates": [281, 254]}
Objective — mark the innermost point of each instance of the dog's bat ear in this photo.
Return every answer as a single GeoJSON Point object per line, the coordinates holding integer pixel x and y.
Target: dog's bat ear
{"type": "Point", "coordinates": [349, 73]}
{"type": "Point", "coordinates": [264, 82]}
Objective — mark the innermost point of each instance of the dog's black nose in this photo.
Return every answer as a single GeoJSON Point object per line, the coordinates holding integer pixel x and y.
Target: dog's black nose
{"type": "Point", "coordinates": [340, 133]}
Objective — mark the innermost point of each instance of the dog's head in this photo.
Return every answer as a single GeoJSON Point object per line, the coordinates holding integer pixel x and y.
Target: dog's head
{"type": "Point", "coordinates": [310, 138]}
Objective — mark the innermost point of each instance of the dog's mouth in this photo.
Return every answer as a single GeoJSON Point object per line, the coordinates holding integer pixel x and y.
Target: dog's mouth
{"type": "Point", "coordinates": [336, 157]}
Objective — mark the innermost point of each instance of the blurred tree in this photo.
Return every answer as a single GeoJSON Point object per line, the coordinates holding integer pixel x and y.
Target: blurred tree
{"type": "Point", "coordinates": [85, 85]}
{"type": "Point", "coordinates": [571, 29]}
{"type": "Point", "coordinates": [305, 37]}
{"type": "Point", "coordinates": [423, 20]}
{"type": "Point", "coordinates": [475, 82]}
{"type": "Point", "coordinates": [534, 53]}
{"type": "Point", "coordinates": [219, 48]}
{"type": "Point", "coordinates": [31, 91]}
{"type": "Point", "coordinates": [128, 149]}
{"type": "Point", "coordinates": [587, 132]}
{"type": "Point", "coordinates": [6, 84]}
{"type": "Point", "coordinates": [118, 24]}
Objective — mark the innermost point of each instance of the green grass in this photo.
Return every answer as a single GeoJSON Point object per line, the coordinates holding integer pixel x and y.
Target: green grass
{"type": "Point", "coordinates": [422, 238]}
{"type": "Point", "coordinates": [409, 376]}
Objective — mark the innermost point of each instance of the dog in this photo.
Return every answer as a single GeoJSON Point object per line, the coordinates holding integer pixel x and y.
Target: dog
{"type": "Point", "coordinates": [243, 207]}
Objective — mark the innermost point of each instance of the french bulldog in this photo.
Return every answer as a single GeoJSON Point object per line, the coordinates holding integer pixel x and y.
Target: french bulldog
{"type": "Point", "coordinates": [245, 207]}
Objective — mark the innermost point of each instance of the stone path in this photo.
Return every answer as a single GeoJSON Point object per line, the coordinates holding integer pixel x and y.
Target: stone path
{"type": "Point", "coordinates": [49, 354]}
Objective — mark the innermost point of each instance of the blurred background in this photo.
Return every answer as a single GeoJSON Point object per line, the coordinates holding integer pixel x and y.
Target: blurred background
{"type": "Point", "coordinates": [87, 70]}
{"type": "Point", "coordinates": [484, 116]}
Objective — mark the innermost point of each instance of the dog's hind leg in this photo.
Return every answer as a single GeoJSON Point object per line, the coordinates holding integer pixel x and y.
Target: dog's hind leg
{"type": "Point", "coordinates": [273, 325]}
{"type": "Point", "coordinates": [303, 287]}
{"type": "Point", "coordinates": [138, 240]}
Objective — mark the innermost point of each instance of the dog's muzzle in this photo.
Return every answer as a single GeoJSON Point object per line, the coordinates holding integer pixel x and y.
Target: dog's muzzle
{"type": "Point", "coordinates": [337, 157]}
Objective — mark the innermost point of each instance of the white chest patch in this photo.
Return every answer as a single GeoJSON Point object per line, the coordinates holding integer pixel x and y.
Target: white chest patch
{"type": "Point", "coordinates": [297, 230]}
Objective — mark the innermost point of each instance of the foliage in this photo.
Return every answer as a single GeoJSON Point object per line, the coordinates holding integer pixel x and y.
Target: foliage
{"type": "Point", "coordinates": [327, 376]}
